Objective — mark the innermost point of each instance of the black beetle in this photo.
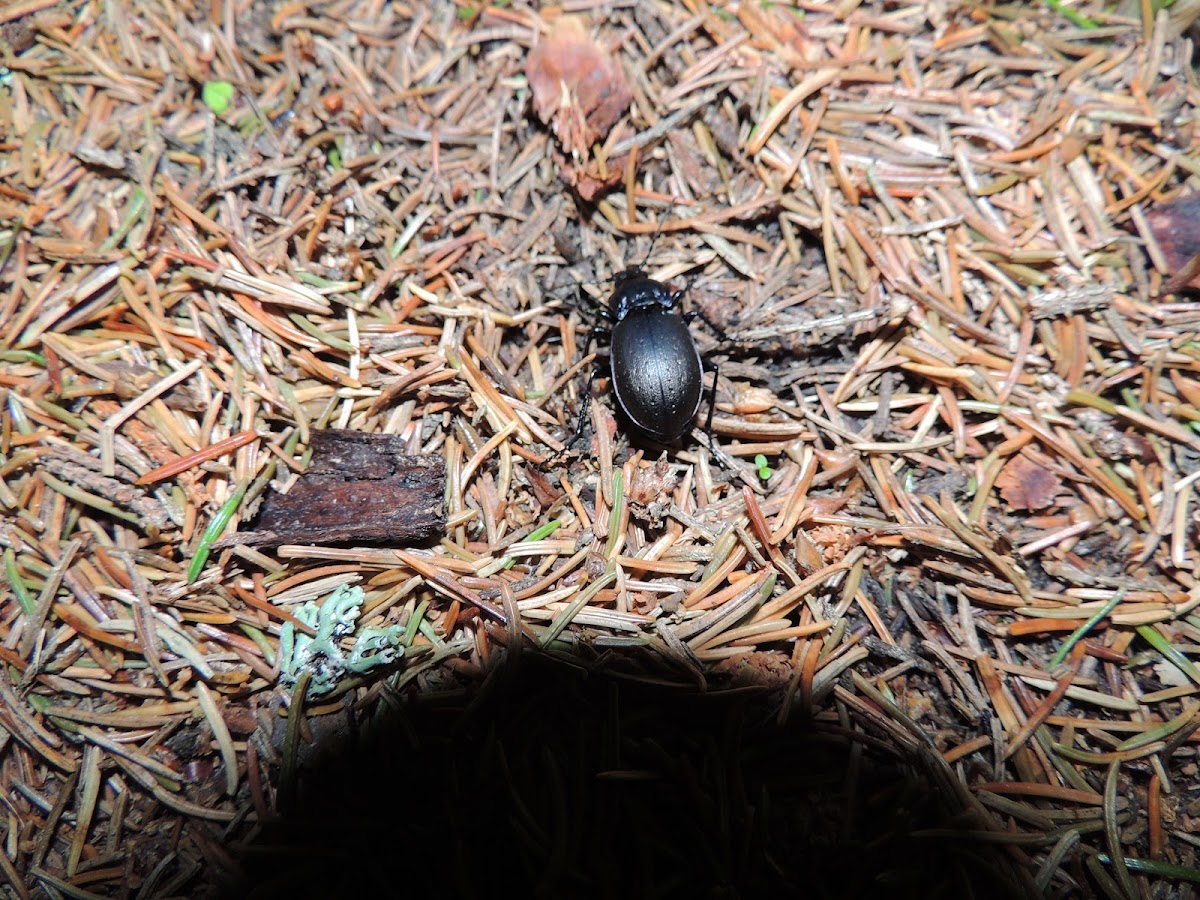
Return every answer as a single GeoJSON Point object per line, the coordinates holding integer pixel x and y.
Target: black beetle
{"type": "Point", "coordinates": [657, 374]}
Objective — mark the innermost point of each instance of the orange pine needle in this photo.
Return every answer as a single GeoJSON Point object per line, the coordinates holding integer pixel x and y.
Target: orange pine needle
{"type": "Point", "coordinates": [212, 451]}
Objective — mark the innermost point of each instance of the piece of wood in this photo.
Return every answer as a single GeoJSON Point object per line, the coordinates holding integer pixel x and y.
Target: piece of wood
{"type": "Point", "coordinates": [358, 487]}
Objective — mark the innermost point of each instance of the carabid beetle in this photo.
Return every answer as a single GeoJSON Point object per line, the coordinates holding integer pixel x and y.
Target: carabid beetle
{"type": "Point", "coordinates": [657, 374]}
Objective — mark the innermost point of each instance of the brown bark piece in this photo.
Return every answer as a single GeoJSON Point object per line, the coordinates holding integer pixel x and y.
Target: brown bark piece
{"type": "Point", "coordinates": [359, 487]}
{"type": "Point", "coordinates": [1176, 228]}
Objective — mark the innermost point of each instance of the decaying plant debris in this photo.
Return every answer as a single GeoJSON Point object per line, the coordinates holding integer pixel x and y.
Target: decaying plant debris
{"type": "Point", "coordinates": [961, 410]}
{"type": "Point", "coordinates": [357, 487]}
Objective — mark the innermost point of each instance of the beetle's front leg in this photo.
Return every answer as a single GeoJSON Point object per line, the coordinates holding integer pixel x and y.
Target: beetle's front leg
{"type": "Point", "coordinates": [581, 418]}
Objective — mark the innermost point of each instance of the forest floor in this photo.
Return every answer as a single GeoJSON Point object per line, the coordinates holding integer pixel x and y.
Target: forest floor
{"type": "Point", "coordinates": [928, 596]}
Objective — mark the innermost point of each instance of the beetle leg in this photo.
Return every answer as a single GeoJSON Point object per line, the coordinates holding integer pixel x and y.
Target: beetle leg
{"type": "Point", "coordinates": [728, 466]}
{"type": "Point", "coordinates": [677, 296]}
{"type": "Point", "coordinates": [692, 314]}
{"type": "Point", "coordinates": [581, 419]}
{"type": "Point", "coordinates": [712, 405]}
{"type": "Point", "coordinates": [593, 306]}
{"type": "Point", "coordinates": [717, 329]}
{"type": "Point", "coordinates": [712, 400]}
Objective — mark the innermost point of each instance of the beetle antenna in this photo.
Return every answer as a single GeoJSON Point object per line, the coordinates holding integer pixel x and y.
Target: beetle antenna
{"type": "Point", "coordinates": [640, 269]}
{"type": "Point", "coordinates": [654, 240]}
{"type": "Point", "coordinates": [628, 271]}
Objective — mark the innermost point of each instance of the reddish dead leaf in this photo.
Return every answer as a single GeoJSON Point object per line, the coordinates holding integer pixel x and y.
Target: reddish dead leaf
{"type": "Point", "coordinates": [578, 89]}
{"type": "Point", "coordinates": [587, 177]}
{"type": "Point", "coordinates": [610, 425]}
{"type": "Point", "coordinates": [544, 492]}
{"type": "Point", "coordinates": [239, 720]}
{"type": "Point", "coordinates": [1025, 485]}
{"type": "Point", "coordinates": [1176, 229]}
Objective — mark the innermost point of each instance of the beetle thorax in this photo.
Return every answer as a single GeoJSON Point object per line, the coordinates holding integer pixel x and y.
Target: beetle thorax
{"type": "Point", "coordinates": [637, 292]}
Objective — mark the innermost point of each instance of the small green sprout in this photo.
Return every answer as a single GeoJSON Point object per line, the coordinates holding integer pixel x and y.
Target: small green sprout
{"type": "Point", "coordinates": [217, 96]}
{"type": "Point", "coordinates": [322, 656]}
{"type": "Point", "coordinates": [764, 471]}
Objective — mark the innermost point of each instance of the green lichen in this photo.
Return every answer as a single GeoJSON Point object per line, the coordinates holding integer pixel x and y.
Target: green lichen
{"type": "Point", "coordinates": [322, 656]}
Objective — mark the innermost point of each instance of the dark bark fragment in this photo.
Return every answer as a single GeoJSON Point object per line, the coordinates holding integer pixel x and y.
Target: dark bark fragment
{"type": "Point", "coordinates": [358, 488]}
